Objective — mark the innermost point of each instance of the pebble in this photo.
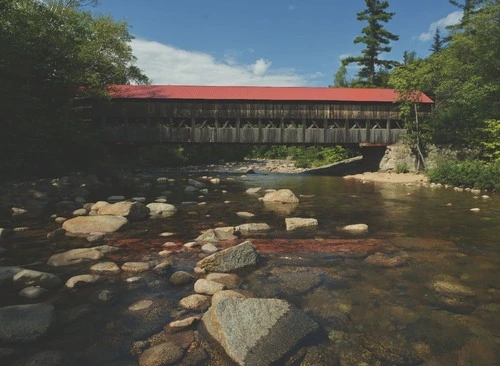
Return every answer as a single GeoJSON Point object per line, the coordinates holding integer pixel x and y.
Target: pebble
{"type": "Point", "coordinates": [140, 305]}
{"type": "Point", "coordinates": [485, 197]}
{"type": "Point", "coordinates": [191, 244]}
{"type": "Point", "coordinates": [60, 219]}
{"type": "Point", "coordinates": [32, 292]}
{"type": "Point", "coordinates": [183, 323]}
{"type": "Point", "coordinates": [136, 267]}
{"type": "Point", "coordinates": [84, 279]}
{"type": "Point", "coordinates": [209, 248]}
{"type": "Point", "coordinates": [180, 278]}
{"type": "Point", "coordinates": [105, 268]}
{"type": "Point", "coordinates": [245, 215]}
{"type": "Point", "coordinates": [105, 296]}
{"type": "Point", "coordinates": [169, 244]}
{"type": "Point", "coordinates": [166, 234]}
{"type": "Point", "coordinates": [20, 229]}
{"type": "Point", "coordinates": [475, 209]}
{"type": "Point", "coordinates": [165, 253]}
{"type": "Point", "coordinates": [207, 287]}
{"type": "Point", "coordinates": [133, 279]}
{"type": "Point", "coordinates": [195, 302]}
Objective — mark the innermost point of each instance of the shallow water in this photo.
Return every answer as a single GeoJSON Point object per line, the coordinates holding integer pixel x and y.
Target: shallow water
{"type": "Point", "coordinates": [370, 315]}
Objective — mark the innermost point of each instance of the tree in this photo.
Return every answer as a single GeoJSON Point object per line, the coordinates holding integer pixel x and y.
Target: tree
{"type": "Point", "coordinates": [340, 78]}
{"type": "Point", "coordinates": [468, 7]}
{"type": "Point", "coordinates": [438, 42]}
{"type": "Point", "coordinates": [52, 52]}
{"type": "Point", "coordinates": [376, 39]}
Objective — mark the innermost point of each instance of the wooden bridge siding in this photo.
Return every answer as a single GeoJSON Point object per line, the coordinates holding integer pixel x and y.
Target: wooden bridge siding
{"type": "Point", "coordinates": [158, 110]}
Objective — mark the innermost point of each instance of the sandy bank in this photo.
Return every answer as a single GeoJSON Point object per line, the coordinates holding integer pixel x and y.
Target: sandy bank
{"type": "Point", "coordinates": [385, 177]}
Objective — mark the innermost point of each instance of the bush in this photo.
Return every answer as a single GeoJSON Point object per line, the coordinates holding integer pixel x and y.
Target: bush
{"type": "Point", "coordinates": [475, 173]}
{"type": "Point", "coordinates": [402, 168]}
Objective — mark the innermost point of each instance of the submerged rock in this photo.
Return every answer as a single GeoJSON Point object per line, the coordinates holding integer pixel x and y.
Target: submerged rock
{"type": "Point", "coordinates": [74, 256]}
{"type": "Point", "coordinates": [253, 228]}
{"type": "Point", "coordinates": [257, 331]}
{"type": "Point", "coordinates": [161, 355]}
{"type": "Point", "coordinates": [32, 292]}
{"type": "Point", "coordinates": [207, 287]}
{"type": "Point", "coordinates": [181, 278]}
{"type": "Point", "coordinates": [105, 268]}
{"type": "Point", "coordinates": [135, 267]}
{"type": "Point", "coordinates": [27, 277]}
{"type": "Point", "coordinates": [230, 259]}
{"type": "Point", "coordinates": [385, 261]}
{"type": "Point", "coordinates": [82, 280]}
{"type": "Point", "coordinates": [25, 323]}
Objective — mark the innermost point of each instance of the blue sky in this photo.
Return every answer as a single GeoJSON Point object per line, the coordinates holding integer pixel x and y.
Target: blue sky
{"type": "Point", "coordinates": [263, 42]}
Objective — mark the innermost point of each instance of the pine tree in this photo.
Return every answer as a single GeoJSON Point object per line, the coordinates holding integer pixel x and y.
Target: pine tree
{"type": "Point", "coordinates": [438, 43]}
{"type": "Point", "coordinates": [376, 39]}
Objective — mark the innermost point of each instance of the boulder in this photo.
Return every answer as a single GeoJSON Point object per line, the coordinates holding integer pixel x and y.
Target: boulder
{"type": "Point", "coordinates": [207, 287]}
{"type": "Point", "coordinates": [6, 274]}
{"type": "Point", "coordinates": [217, 234]}
{"type": "Point", "coordinates": [253, 228]}
{"type": "Point", "coordinates": [25, 323]}
{"type": "Point", "coordinates": [161, 355]}
{"type": "Point", "coordinates": [91, 224]}
{"type": "Point", "coordinates": [195, 302]}
{"type": "Point", "coordinates": [227, 293]}
{"type": "Point", "coordinates": [131, 210]}
{"type": "Point", "coordinates": [300, 224]}
{"type": "Point", "coordinates": [159, 210]}
{"type": "Point", "coordinates": [281, 196]}
{"type": "Point", "coordinates": [356, 229]}
{"type": "Point", "coordinates": [28, 277]}
{"type": "Point", "coordinates": [257, 331]}
{"type": "Point", "coordinates": [230, 259]}
{"type": "Point", "coordinates": [74, 256]}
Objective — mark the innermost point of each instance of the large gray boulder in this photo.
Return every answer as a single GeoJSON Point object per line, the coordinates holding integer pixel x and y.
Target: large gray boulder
{"type": "Point", "coordinates": [230, 259]}
{"type": "Point", "coordinates": [74, 256]}
{"type": "Point", "coordinates": [93, 224]}
{"type": "Point", "coordinates": [281, 196]}
{"type": "Point", "coordinates": [257, 331]}
{"type": "Point", "coordinates": [25, 323]}
{"type": "Point", "coordinates": [28, 277]}
{"type": "Point", "coordinates": [159, 210]}
{"type": "Point", "coordinates": [130, 210]}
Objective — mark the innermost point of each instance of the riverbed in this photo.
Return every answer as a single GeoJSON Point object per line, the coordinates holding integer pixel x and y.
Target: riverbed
{"type": "Point", "coordinates": [420, 287]}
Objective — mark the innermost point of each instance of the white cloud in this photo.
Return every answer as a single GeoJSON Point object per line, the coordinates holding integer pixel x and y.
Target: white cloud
{"type": "Point", "coordinates": [450, 19]}
{"type": "Point", "coordinates": [165, 64]}
{"type": "Point", "coordinates": [260, 67]}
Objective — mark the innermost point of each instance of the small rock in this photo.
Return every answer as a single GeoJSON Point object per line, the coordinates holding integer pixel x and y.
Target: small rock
{"type": "Point", "coordinates": [385, 261]}
{"type": "Point", "coordinates": [282, 196]}
{"type": "Point", "coordinates": [163, 267]}
{"type": "Point", "coordinates": [181, 278]}
{"type": "Point", "coordinates": [230, 280]}
{"type": "Point", "coordinates": [133, 279]}
{"type": "Point", "coordinates": [160, 210]}
{"type": "Point", "coordinates": [485, 197]}
{"type": "Point", "coordinates": [105, 268]}
{"type": "Point", "coordinates": [82, 280]}
{"type": "Point", "coordinates": [253, 228]}
{"type": "Point", "coordinates": [209, 248]}
{"type": "Point", "coordinates": [57, 233]}
{"type": "Point", "coordinates": [60, 220]}
{"type": "Point", "coordinates": [115, 198]}
{"type": "Point", "coordinates": [191, 244]}
{"type": "Point", "coordinates": [105, 296]}
{"type": "Point", "coordinates": [475, 209]}
{"type": "Point", "coordinates": [90, 224]}
{"type": "Point", "coordinates": [253, 190]}
{"type": "Point", "coordinates": [356, 229]}
{"type": "Point", "coordinates": [206, 287]}
{"type": "Point", "coordinates": [230, 259]}
{"type": "Point", "coordinates": [195, 302]}
{"type": "Point", "coordinates": [164, 253]}
{"type": "Point", "coordinates": [135, 267]}
{"type": "Point", "coordinates": [184, 323]}
{"type": "Point", "coordinates": [131, 210]}
{"type": "Point", "coordinates": [140, 305]}
{"type": "Point", "coordinates": [300, 224]}
{"type": "Point", "coordinates": [80, 212]}
{"type": "Point", "coordinates": [166, 234]}
{"type": "Point", "coordinates": [245, 215]}
{"type": "Point", "coordinates": [215, 181]}
{"type": "Point", "coordinates": [74, 256]}
{"type": "Point", "coordinates": [161, 355]}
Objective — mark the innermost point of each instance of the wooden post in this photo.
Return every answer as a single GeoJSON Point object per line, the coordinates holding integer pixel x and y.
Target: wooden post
{"type": "Point", "coordinates": [346, 131]}
{"type": "Point", "coordinates": [193, 125]}
{"type": "Point", "coordinates": [238, 126]}
{"type": "Point", "coordinates": [282, 129]}
{"type": "Point", "coordinates": [367, 131]}
{"type": "Point", "coordinates": [388, 131]}
{"type": "Point", "coordinates": [215, 129]}
{"type": "Point", "coordinates": [325, 129]}
{"type": "Point", "coordinates": [260, 129]}
{"type": "Point", "coordinates": [304, 130]}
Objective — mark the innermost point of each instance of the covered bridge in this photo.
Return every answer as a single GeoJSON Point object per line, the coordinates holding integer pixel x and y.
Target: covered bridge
{"type": "Point", "coordinates": [252, 115]}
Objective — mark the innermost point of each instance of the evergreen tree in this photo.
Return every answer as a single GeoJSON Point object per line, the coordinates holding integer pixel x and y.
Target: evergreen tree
{"type": "Point", "coordinates": [377, 40]}
{"type": "Point", "coordinates": [340, 78]}
{"type": "Point", "coordinates": [438, 43]}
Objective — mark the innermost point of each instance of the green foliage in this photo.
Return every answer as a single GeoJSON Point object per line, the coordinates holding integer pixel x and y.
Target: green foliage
{"type": "Point", "coordinates": [305, 157]}
{"type": "Point", "coordinates": [437, 42]}
{"type": "Point", "coordinates": [340, 78]}
{"type": "Point", "coordinates": [402, 168]}
{"type": "Point", "coordinates": [377, 40]}
{"type": "Point", "coordinates": [52, 52]}
{"type": "Point", "coordinates": [477, 174]}
{"type": "Point", "coordinates": [490, 141]}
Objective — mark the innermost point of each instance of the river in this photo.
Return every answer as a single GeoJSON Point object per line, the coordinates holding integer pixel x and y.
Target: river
{"type": "Point", "coordinates": [439, 306]}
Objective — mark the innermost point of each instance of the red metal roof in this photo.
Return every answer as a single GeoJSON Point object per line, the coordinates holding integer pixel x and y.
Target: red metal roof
{"type": "Point", "coordinates": [273, 93]}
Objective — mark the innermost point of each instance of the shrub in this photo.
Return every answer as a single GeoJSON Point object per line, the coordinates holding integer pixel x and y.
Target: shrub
{"type": "Point", "coordinates": [474, 173]}
{"type": "Point", "coordinates": [402, 168]}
